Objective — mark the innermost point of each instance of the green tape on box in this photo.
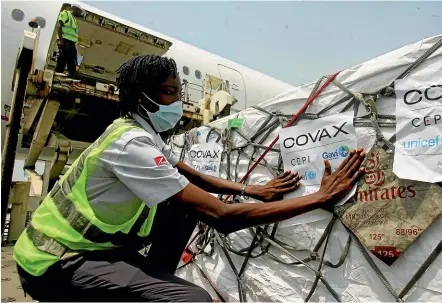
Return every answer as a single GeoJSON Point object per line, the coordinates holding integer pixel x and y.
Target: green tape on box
{"type": "Point", "coordinates": [236, 123]}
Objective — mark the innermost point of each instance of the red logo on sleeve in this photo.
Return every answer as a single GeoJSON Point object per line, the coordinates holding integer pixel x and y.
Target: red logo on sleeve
{"type": "Point", "coordinates": [160, 160]}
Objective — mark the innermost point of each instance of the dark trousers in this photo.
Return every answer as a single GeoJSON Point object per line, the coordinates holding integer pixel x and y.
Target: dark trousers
{"type": "Point", "coordinates": [123, 275]}
{"type": "Point", "coordinates": [67, 56]}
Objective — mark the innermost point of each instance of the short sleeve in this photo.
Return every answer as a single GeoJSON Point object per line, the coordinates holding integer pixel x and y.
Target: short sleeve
{"type": "Point", "coordinates": [63, 17]}
{"type": "Point", "coordinates": [146, 171]}
{"type": "Point", "coordinates": [173, 159]}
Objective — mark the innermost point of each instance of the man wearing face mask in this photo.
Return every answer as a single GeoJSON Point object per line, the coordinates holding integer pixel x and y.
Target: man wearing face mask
{"type": "Point", "coordinates": [128, 191]}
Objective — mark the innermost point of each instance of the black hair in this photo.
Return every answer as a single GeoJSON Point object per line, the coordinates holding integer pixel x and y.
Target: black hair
{"type": "Point", "coordinates": [66, 6]}
{"type": "Point", "coordinates": [142, 74]}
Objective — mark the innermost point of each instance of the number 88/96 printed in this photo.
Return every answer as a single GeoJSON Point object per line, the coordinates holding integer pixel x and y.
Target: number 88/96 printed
{"type": "Point", "coordinates": [407, 231]}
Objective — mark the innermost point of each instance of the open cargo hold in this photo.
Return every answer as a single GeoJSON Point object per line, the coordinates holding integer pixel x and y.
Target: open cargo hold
{"type": "Point", "coordinates": [105, 44]}
{"type": "Point", "coordinates": [350, 272]}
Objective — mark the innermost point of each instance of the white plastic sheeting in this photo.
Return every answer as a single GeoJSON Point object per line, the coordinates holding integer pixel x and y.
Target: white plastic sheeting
{"type": "Point", "coordinates": [355, 280]}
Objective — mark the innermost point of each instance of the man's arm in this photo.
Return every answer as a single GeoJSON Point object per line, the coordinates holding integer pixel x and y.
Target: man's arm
{"type": "Point", "coordinates": [60, 31]}
{"type": "Point", "coordinates": [228, 218]}
{"type": "Point", "coordinates": [62, 19]}
{"type": "Point", "coordinates": [268, 192]}
{"type": "Point", "coordinates": [143, 168]}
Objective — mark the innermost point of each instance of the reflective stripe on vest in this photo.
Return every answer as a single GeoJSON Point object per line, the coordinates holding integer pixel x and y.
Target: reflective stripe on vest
{"type": "Point", "coordinates": [60, 205]}
{"type": "Point", "coordinates": [70, 28]}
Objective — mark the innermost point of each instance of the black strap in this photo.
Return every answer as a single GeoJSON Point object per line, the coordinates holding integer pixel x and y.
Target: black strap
{"type": "Point", "coordinates": [436, 251]}
{"type": "Point", "coordinates": [218, 293]}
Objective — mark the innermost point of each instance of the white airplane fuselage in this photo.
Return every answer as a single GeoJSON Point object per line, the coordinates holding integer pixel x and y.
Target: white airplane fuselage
{"type": "Point", "coordinates": [250, 87]}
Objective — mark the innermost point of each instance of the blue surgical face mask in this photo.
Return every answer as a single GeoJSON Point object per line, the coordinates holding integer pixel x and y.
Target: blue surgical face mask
{"type": "Point", "coordinates": [166, 117]}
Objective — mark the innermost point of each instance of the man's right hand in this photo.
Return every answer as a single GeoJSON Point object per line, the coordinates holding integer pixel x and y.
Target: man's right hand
{"type": "Point", "coordinates": [336, 185]}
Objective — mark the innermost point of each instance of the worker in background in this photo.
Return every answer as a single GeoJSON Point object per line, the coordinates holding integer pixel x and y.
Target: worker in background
{"type": "Point", "coordinates": [67, 31]}
{"type": "Point", "coordinates": [128, 191]}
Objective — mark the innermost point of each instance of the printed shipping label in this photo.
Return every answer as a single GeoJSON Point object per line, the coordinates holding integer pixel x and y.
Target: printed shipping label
{"type": "Point", "coordinates": [418, 148]}
{"type": "Point", "coordinates": [206, 158]}
{"type": "Point", "coordinates": [304, 148]}
{"type": "Point", "coordinates": [388, 214]}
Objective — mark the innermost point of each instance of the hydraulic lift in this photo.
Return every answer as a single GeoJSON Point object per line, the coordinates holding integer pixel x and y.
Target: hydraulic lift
{"type": "Point", "coordinates": [54, 118]}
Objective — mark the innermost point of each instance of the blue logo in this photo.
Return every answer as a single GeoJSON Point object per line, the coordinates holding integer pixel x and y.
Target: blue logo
{"type": "Point", "coordinates": [422, 143]}
{"type": "Point", "coordinates": [210, 167]}
{"type": "Point", "coordinates": [342, 151]}
{"type": "Point", "coordinates": [213, 135]}
{"type": "Point", "coordinates": [309, 175]}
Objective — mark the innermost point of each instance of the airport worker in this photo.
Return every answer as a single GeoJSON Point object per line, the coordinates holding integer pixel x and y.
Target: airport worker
{"type": "Point", "coordinates": [116, 224]}
{"type": "Point", "coordinates": [67, 31]}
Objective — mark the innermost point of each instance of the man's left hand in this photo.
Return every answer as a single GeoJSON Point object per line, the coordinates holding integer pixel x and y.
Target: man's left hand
{"type": "Point", "coordinates": [275, 188]}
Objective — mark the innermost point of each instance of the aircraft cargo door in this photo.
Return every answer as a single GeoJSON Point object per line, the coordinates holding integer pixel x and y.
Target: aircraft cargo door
{"type": "Point", "coordinates": [235, 85]}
